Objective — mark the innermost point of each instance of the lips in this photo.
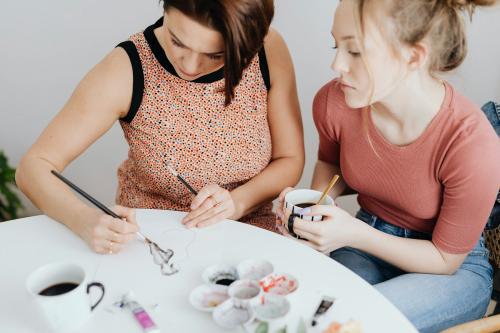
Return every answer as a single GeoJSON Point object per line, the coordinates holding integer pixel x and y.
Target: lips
{"type": "Point", "coordinates": [345, 85]}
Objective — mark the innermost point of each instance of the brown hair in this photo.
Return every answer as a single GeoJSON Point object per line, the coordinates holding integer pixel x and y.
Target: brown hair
{"type": "Point", "coordinates": [243, 25]}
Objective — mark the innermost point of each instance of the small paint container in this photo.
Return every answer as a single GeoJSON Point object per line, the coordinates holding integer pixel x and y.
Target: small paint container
{"type": "Point", "coordinates": [207, 298]}
{"type": "Point", "coordinates": [279, 284]}
{"type": "Point", "coordinates": [254, 269]}
{"type": "Point", "coordinates": [271, 307]}
{"type": "Point", "coordinates": [230, 316]}
{"type": "Point", "coordinates": [220, 276]}
{"type": "Point", "coordinates": [244, 293]}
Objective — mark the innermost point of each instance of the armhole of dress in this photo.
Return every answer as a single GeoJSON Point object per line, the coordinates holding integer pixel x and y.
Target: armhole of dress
{"type": "Point", "coordinates": [138, 79]}
{"type": "Point", "coordinates": [264, 69]}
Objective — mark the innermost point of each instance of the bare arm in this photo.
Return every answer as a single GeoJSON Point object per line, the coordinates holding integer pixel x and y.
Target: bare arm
{"type": "Point", "coordinates": [285, 124]}
{"type": "Point", "coordinates": [214, 203]}
{"type": "Point", "coordinates": [411, 255]}
{"type": "Point", "coordinates": [100, 99]}
{"type": "Point", "coordinates": [323, 172]}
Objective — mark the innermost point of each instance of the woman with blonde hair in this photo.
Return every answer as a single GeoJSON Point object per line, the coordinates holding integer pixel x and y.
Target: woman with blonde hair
{"type": "Point", "coordinates": [423, 159]}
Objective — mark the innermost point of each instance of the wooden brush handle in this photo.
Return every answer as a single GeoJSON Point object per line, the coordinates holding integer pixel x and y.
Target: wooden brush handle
{"type": "Point", "coordinates": [332, 182]}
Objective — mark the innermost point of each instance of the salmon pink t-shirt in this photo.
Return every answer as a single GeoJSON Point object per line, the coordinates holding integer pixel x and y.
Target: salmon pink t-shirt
{"type": "Point", "coordinates": [444, 183]}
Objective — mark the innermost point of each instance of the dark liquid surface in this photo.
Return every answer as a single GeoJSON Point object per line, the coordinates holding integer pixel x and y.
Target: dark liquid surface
{"type": "Point", "coordinates": [224, 282]}
{"type": "Point", "coordinates": [58, 289]}
{"type": "Point", "coordinates": [305, 204]}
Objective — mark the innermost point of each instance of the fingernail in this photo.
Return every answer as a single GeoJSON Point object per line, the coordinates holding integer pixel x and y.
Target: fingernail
{"type": "Point", "coordinates": [305, 211]}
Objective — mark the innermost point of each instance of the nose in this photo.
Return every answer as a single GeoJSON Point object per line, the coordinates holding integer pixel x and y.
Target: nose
{"type": "Point", "coordinates": [339, 63]}
{"type": "Point", "coordinates": [191, 63]}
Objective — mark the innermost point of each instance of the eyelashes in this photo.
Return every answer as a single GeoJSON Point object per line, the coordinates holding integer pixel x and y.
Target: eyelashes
{"type": "Point", "coordinates": [209, 56]}
{"type": "Point", "coordinates": [352, 53]}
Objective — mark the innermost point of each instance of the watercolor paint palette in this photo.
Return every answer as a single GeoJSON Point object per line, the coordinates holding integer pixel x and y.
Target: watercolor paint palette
{"type": "Point", "coordinates": [224, 284]}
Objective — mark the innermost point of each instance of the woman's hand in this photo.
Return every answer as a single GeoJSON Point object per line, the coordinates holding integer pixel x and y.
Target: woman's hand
{"type": "Point", "coordinates": [106, 234]}
{"type": "Point", "coordinates": [280, 212]}
{"type": "Point", "coordinates": [212, 204]}
{"type": "Point", "coordinates": [338, 229]}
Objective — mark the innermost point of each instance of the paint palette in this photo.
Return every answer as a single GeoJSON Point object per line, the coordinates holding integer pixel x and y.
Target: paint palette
{"type": "Point", "coordinates": [224, 293]}
{"type": "Point", "coordinates": [206, 298]}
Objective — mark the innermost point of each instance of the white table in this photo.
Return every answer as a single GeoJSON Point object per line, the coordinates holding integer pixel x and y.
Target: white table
{"type": "Point", "coordinates": [28, 243]}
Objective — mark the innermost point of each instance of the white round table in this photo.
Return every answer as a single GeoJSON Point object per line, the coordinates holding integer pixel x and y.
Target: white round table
{"type": "Point", "coordinates": [28, 243]}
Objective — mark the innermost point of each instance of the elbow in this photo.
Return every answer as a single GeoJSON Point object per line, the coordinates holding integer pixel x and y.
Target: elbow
{"type": "Point", "coordinates": [448, 271]}
{"type": "Point", "coordinates": [448, 267]}
{"type": "Point", "coordinates": [451, 269]}
{"type": "Point", "coordinates": [292, 167]}
{"type": "Point", "coordinates": [20, 176]}
{"type": "Point", "coordinates": [298, 167]}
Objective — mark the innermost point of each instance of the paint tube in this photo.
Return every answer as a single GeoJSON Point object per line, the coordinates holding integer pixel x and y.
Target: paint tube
{"type": "Point", "coordinates": [325, 304]}
{"type": "Point", "coordinates": [139, 313]}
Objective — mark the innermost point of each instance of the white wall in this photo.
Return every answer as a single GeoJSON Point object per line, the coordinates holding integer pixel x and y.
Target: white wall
{"type": "Point", "coordinates": [46, 48]}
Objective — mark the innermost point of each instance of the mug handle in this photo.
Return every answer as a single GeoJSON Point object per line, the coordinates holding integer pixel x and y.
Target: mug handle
{"type": "Point", "coordinates": [291, 220]}
{"type": "Point", "coordinates": [101, 286]}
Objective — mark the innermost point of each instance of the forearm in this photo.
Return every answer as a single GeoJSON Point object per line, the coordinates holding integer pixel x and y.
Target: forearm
{"type": "Point", "coordinates": [410, 255]}
{"type": "Point", "coordinates": [279, 174]}
{"type": "Point", "coordinates": [323, 173]}
{"type": "Point", "coordinates": [48, 193]}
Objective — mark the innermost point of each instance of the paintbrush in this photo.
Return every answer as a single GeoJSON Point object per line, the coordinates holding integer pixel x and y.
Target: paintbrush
{"type": "Point", "coordinates": [332, 182]}
{"type": "Point", "coordinates": [183, 181]}
{"type": "Point", "coordinates": [98, 204]}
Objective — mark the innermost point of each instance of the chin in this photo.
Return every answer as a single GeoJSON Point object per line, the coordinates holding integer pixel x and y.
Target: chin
{"type": "Point", "coordinates": [355, 103]}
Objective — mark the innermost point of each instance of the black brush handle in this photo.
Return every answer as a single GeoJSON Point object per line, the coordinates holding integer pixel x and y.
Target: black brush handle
{"type": "Point", "coordinates": [85, 195]}
{"type": "Point", "coordinates": [192, 190]}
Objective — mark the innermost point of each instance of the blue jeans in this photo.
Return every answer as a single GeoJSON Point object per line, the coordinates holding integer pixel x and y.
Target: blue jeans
{"type": "Point", "coordinates": [431, 302]}
{"type": "Point", "coordinates": [492, 112]}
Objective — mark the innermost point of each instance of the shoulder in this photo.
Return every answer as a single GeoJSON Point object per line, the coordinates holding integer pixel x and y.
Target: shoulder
{"type": "Point", "coordinates": [278, 57]}
{"type": "Point", "coordinates": [113, 78]}
{"type": "Point", "coordinates": [468, 121]}
{"type": "Point", "coordinates": [473, 145]}
{"type": "Point", "coordinates": [329, 99]}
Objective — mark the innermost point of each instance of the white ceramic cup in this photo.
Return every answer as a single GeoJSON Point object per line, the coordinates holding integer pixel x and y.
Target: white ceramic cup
{"type": "Point", "coordinates": [302, 196]}
{"type": "Point", "coordinates": [64, 311]}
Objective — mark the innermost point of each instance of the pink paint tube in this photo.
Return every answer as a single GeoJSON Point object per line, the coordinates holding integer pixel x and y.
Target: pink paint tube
{"type": "Point", "coordinates": [140, 314]}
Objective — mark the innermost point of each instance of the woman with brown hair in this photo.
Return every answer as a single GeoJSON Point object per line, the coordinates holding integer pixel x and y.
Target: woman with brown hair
{"type": "Point", "coordinates": [423, 159]}
{"type": "Point", "coordinates": [208, 89]}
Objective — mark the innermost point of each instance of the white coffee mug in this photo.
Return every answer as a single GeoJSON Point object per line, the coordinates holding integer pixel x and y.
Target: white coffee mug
{"type": "Point", "coordinates": [61, 289]}
{"type": "Point", "coordinates": [298, 197]}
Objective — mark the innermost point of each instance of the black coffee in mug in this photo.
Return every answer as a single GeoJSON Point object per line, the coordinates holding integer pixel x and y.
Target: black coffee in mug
{"type": "Point", "coordinates": [58, 289]}
{"type": "Point", "coordinates": [305, 204]}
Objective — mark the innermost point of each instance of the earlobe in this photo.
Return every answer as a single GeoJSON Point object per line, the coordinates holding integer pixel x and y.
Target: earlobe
{"type": "Point", "coordinates": [418, 56]}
